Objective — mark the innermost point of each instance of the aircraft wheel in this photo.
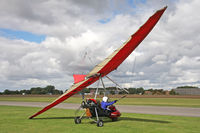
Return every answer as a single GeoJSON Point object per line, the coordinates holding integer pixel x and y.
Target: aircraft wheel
{"type": "Point", "coordinates": [77, 120]}
{"type": "Point", "coordinates": [83, 104]}
{"type": "Point", "coordinates": [100, 123]}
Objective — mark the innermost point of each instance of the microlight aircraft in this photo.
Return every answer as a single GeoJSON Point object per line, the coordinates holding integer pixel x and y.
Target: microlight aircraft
{"type": "Point", "coordinates": [108, 65]}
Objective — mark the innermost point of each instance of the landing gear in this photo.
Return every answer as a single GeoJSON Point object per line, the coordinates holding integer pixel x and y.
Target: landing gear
{"type": "Point", "coordinates": [83, 104]}
{"type": "Point", "coordinates": [94, 111]}
{"type": "Point", "coordinates": [99, 123]}
{"type": "Point", "coordinates": [77, 120]}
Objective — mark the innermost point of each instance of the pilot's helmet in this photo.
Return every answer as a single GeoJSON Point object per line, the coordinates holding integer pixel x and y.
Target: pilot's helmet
{"type": "Point", "coordinates": [105, 99]}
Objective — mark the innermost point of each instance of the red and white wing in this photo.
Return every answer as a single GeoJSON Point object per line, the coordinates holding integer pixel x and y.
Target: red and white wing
{"type": "Point", "coordinates": [118, 56]}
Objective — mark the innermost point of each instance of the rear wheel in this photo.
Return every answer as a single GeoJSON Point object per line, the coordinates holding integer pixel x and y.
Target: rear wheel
{"type": "Point", "coordinates": [77, 120]}
{"type": "Point", "coordinates": [100, 123]}
{"type": "Point", "coordinates": [83, 104]}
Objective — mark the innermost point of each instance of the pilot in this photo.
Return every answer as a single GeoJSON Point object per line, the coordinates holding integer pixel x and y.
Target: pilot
{"type": "Point", "coordinates": [105, 103]}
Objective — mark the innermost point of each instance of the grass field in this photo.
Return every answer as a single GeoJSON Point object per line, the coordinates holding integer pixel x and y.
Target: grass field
{"type": "Point", "coordinates": [179, 102]}
{"type": "Point", "coordinates": [15, 120]}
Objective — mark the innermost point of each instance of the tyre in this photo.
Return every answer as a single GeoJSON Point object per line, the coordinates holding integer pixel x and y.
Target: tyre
{"type": "Point", "coordinates": [99, 123]}
{"type": "Point", "coordinates": [83, 104]}
{"type": "Point", "coordinates": [77, 120]}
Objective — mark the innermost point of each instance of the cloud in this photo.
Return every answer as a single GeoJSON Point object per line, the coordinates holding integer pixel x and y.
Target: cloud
{"type": "Point", "coordinates": [76, 40]}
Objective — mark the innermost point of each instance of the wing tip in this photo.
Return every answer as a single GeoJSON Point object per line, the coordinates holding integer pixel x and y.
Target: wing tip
{"type": "Point", "coordinates": [30, 117]}
{"type": "Point", "coordinates": [164, 8]}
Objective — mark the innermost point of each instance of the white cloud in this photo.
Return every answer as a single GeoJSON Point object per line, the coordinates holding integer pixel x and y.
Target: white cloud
{"type": "Point", "coordinates": [168, 57]}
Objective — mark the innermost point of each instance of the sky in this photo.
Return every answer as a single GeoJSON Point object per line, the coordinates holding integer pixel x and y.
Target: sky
{"type": "Point", "coordinates": [45, 42]}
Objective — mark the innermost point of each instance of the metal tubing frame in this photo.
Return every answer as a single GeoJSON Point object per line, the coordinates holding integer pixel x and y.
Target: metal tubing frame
{"type": "Point", "coordinates": [116, 84]}
{"type": "Point", "coordinates": [103, 86]}
{"type": "Point", "coordinates": [96, 90]}
{"type": "Point", "coordinates": [96, 113]}
{"type": "Point", "coordinates": [82, 115]}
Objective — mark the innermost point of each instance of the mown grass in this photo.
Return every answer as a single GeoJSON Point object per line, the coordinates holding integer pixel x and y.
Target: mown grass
{"type": "Point", "coordinates": [15, 120]}
{"type": "Point", "coordinates": [180, 102]}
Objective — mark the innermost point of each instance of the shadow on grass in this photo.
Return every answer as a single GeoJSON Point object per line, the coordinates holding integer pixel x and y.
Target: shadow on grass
{"type": "Point", "coordinates": [53, 118]}
{"type": "Point", "coordinates": [141, 120]}
{"type": "Point", "coordinates": [108, 120]}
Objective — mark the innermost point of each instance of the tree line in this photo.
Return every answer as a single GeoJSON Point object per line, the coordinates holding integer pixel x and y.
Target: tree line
{"type": "Point", "coordinates": [36, 90]}
{"type": "Point", "coordinates": [138, 91]}
{"type": "Point", "coordinates": [109, 90]}
{"type": "Point", "coordinates": [114, 90]}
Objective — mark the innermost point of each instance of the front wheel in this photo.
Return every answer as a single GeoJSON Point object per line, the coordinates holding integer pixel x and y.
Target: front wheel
{"type": "Point", "coordinates": [99, 123]}
{"type": "Point", "coordinates": [77, 120]}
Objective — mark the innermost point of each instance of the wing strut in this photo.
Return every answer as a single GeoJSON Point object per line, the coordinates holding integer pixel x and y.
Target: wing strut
{"type": "Point", "coordinates": [103, 86]}
{"type": "Point", "coordinates": [117, 84]}
{"type": "Point", "coordinates": [97, 90]}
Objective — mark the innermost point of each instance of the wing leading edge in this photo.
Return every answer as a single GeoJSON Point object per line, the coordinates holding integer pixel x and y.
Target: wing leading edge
{"type": "Point", "coordinates": [118, 56]}
{"type": "Point", "coordinates": [111, 62]}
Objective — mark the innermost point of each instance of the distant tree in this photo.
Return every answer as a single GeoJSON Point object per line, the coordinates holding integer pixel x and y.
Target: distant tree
{"type": "Point", "coordinates": [151, 90]}
{"type": "Point", "coordinates": [136, 90]}
{"type": "Point", "coordinates": [46, 90]}
{"type": "Point", "coordinates": [122, 92]}
{"type": "Point", "coordinates": [172, 92]}
{"type": "Point", "coordinates": [49, 89]}
{"type": "Point", "coordinates": [7, 92]}
{"type": "Point", "coordinates": [25, 91]}
{"type": "Point", "coordinates": [57, 92]}
{"type": "Point", "coordinates": [186, 87]}
{"type": "Point", "coordinates": [101, 92]}
{"type": "Point", "coordinates": [10, 92]}
{"type": "Point", "coordinates": [140, 90]}
{"type": "Point", "coordinates": [112, 92]}
{"type": "Point", "coordinates": [132, 90]}
{"type": "Point", "coordinates": [37, 90]}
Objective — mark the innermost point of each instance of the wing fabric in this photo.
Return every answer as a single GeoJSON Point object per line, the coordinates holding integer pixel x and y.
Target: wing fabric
{"type": "Point", "coordinates": [117, 57]}
{"type": "Point", "coordinates": [78, 78]}
{"type": "Point", "coordinates": [111, 63]}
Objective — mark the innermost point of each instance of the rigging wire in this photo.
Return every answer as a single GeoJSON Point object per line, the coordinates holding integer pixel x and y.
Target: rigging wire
{"type": "Point", "coordinates": [117, 84]}
{"type": "Point", "coordinates": [97, 89]}
{"type": "Point", "coordinates": [88, 56]}
{"type": "Point", "coordinates": [91, 62]}
{"type": "Point", "coordinates": [133, 70]}
{"type": "Point", "coordinates": [103, 86]}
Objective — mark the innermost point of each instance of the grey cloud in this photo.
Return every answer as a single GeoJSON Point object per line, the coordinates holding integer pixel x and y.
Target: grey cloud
{"type": "Point", "coordinates": [72, 29]}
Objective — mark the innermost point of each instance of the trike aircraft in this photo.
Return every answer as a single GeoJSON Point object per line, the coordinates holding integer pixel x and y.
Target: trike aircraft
{"type": "Point", "coordinates": [101, 70]}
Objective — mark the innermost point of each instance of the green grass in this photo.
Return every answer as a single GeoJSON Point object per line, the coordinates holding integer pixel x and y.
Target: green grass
{"type": "Point", "coordinates": [180, 102]}
{"type": "Point", "coordinates": [15, 120]}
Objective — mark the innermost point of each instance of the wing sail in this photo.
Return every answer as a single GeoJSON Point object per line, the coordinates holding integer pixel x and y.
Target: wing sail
{"type": "Point", "coordinates": [78, 78]}
{"type": "Point", "coordinates": [118, 56]}
{"type": "Point", "coordinates": [110, 63]}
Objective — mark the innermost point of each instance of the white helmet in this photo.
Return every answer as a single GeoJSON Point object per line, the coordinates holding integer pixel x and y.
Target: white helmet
{"type": "Point", "coordinates": [105, 99]}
